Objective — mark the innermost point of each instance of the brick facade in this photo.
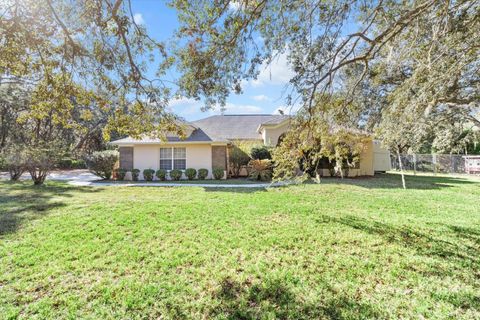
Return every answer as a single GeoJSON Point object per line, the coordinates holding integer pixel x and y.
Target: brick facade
{"type": "Point", "coordinates": [219, 157]}
{"type": "Point", "coordinates": [126, 157]}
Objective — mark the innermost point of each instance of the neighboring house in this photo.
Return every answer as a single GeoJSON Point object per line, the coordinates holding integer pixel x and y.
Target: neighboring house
{"type": "Point", "coordinates": [207, 143]}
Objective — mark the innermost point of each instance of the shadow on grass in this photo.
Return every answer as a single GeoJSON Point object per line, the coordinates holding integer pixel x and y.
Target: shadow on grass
{"type": "Point", "coordinates": [274, 299]}
{"type": "Point", "coordinates": [423, 243]}
{"type": "Point", "coordinates": [235, 189]}
{"type": "Point", "coordinates": [21, 202]}
{"type": "Point", "coordinates": [467, 233]}
{"type": "Point", "coordinates": [379, 181]}
{"type": "Point", "coordinates": [394, 181]}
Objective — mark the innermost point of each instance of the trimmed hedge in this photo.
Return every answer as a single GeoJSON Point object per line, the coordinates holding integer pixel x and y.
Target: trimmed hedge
{"type": "Point", "coordinates": [161, 174]}
{"type": "Point", "coordinates": [218, 173]}
{"type": "Point", "coordinates": [190, 173]}
{"type": "Point", "coordinates": [176, 174]}
{"type": "Point", "coordinates": [148, 174]}
{"type": "Point", "coordinates": [135, 173]}
{"type": "Point", "coordinates": [202, 174]}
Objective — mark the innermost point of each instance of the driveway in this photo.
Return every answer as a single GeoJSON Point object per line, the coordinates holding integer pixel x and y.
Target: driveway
{"type": "Point", "coordinates": [85, 178]}
{"type": "Point", "coordinates": [79, 175]}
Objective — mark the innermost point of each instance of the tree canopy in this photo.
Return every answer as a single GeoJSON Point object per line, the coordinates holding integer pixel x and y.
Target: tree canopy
{"type": "Point", "coordinates": [409, 58]}
{"type": "Point", "coordinates": [407, 71]}
{"type": "Point", "coordinates": [85, 61]}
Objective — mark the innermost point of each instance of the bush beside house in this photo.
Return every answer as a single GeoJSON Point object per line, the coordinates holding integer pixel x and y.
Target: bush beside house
{"type": "Point", "coordinates": [176, 174]}
{"type": "Point", "coordinates": [190, 173]}
{"type": "Point", "coordinates": [218, 173]}
{"type": "Point", "coordinates": [261, 153]}
{"type": "Point", "coordinates": [101, 163]}
{"type": "Point", "coordinates": [148, 174]}
{"type": "Point", "coordinates": [261, 170]}
{"type": "Point", "coordinates": [161, 174]}
{"type": "Point", "coordinates": [202, 174]}
{"type": "Point", "coordinates": [135, 174]}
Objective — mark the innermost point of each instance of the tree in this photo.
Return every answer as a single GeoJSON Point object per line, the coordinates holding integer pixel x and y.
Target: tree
{"type": "Point", "coordinates": [14, 160]}
{"type": "Point", "coordinates": [401, 132]}
{"type": "Point", "coordinates": [81, 59]}
{"type": "Point", "coordinates": [238, 156]}
{"type": "Point", "coordinates": [413, 57]}
{"type": "Point", "coordinates": [40, 160]}
{"type": "Point", "coordinates": [320, 140]}
{"type": "Point", "coordinates": [13, 102]}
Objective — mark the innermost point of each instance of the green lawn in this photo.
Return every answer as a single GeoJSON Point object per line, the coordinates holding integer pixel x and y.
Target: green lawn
{"type": "Point", "coordinates": [353, 249]}
{"type": "Point", "coordinates": [206, 181]}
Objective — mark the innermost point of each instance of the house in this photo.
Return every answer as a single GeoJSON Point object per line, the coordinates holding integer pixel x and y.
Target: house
{"type": "Point", "coordinates": [207, 143]}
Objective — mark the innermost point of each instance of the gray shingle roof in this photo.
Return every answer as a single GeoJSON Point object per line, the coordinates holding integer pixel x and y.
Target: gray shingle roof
{"type": "Point", "coordinates": [220, 128]}
{"type": "Point", "coordinates": [233, 127]}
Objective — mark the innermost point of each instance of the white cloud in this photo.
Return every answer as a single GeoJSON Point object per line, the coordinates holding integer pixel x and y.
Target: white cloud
{"type": "Point", "coordinates": [185, 106]}
{"type": "Point", "coordinates": [191, 108]}
{"type": "Point", "coordinates": [138, 18]}
{"type": "Point", "coordinates": [232, 108]}
{"type": "Point", "coordinates": [278, 72]}
{"type": "Point", "coordinates": [261, 97]}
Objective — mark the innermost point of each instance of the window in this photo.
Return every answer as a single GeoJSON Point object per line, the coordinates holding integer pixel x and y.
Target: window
{"type": "Point", "coordinates": [166, 158]}
{"type": "Point", "coordinates": [173, 158]}
{"type": "Point", "coordinates": [179, 158]}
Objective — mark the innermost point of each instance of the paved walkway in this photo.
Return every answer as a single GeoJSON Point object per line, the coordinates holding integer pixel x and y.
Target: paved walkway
{"type": "Point", "coordinates": [85, 178]}
{"type": "Point", "coordinates": [172, 184]}
{"type": "Point", "coordinates": [81, 175]}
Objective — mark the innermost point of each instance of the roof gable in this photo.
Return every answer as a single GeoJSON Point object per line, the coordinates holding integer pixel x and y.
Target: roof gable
{"type": "Point", "coordinates": [237, 127]}
{"type": "Point", "coordinates": [221, 128]}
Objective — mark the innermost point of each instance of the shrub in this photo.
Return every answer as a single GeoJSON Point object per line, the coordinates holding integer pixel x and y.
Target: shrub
{"type": "Point", "coordinates": [176, 174]}
{"type": "Point", "coordinates": [261, 153]}
{"type": "Point", "coordinates": [14, 161]}
{"type": "Point", "coordinates": [161, 174]}
{"type": "Point", "coordinates": [40, 160]}
{"type": "Point", "coordinates": [261, 170]}
{"type": "Point", "coordinates": [68, 163]}
{"type": "Point", "coordinates": [78, 164]}
{"type": "Point", "coordinates": [101, 163]}
{"type": "Point", "coordinates": [135, 174]}
{"type": "Point", "coordinates": [65, 163]}
{"type": "Point", "coordinates": [121, 174]}
{"type": "Point", "coordinates": [190, 173]}
{"type": "Point", "coordinates": [202, 174]}
{"type": "Point", "coordinates": [148, 174]}
{"type": "Point", "coordinates": [218, 173]}
{"type": "Point", "coordinates": [238, 158]}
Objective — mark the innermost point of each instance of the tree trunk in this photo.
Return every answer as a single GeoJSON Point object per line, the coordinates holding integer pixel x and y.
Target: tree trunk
{"type": "Point", "coordinates": [414, 164]}
{"type": "Point", "coordinates": [401, 169]}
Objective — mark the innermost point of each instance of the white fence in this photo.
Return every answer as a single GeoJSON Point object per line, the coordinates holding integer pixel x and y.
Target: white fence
{"type": "Point", "coordinates": [435, 163]}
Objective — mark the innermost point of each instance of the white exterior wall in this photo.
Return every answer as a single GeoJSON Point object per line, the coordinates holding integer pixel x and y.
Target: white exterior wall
{"type": "Point", "coordinates": [148, 156]}
{"type": "Point", "coordinates": [270, 135]}
{"type": "Point", "coordinates": [365, 166]}
{"type": "Point", "coordinates": [381, 159]}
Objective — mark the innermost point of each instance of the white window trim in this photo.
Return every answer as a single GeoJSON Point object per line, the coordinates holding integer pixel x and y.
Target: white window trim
{"type": "Point", "coordinates": [173, 158]}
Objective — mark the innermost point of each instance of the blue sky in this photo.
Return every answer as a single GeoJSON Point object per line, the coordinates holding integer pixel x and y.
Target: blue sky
{"type": "Point", "coordinates": [264, 95]}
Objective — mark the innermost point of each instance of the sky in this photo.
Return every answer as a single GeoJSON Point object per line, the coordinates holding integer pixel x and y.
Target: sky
{"type": "Point", "coordinates": [265, 95]}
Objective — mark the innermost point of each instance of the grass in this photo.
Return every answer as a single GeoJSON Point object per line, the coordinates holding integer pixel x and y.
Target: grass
{"type": "Point", "coordinates": [352, 249]}
{"type": "Point", "coordinates": [207, 181]}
